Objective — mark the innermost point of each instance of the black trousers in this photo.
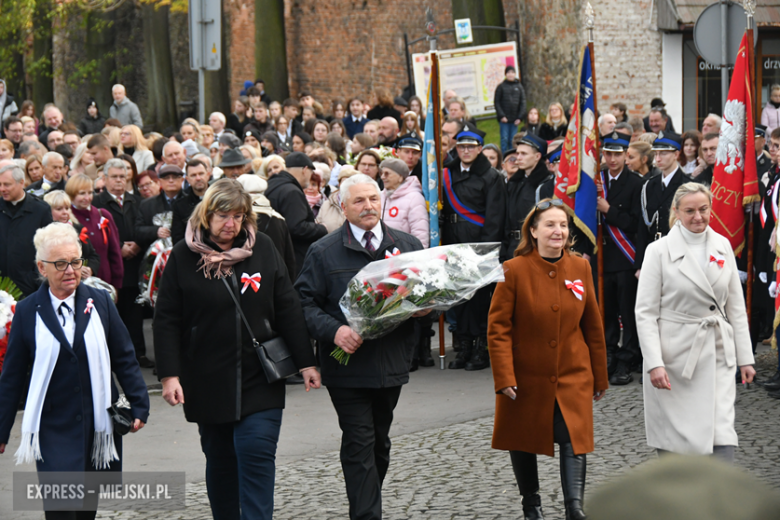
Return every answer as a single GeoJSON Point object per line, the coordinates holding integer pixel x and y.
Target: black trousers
{"type": "Point", "coordinates": [365, 416]}
{"type": "Point", "coordinates": [472, 315]}
{"type": "Point", "coordinates": [619, 300]}
{"type": "Point", "coordinates": [132, 315]}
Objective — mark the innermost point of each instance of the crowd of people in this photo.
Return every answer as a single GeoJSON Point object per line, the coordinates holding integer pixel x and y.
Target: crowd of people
{"type": "Point", "coordinates": [272, 209]}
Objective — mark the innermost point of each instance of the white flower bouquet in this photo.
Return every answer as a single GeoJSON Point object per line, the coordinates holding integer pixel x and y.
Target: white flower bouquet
{"type": "Point", "coordinates": [154, 261]}
{"type": "Point", "coordinates": [388, 292]}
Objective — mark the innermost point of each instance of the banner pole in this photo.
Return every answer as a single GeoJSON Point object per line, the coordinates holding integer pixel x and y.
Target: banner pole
{"type": "Point", "coordinates": [436, 97]}
{"type": "Point", "coordinates": [749, 10]}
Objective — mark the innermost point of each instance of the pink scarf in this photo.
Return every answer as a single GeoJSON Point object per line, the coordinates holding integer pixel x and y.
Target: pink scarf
{"type": "Point", "coordinates": [218, 263]}
{"type": "Point", "coordinates": [313, 200]}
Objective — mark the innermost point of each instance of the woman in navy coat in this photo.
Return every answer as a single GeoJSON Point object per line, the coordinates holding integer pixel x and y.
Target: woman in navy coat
{"type": "Point", "coordinates": [56, 324]}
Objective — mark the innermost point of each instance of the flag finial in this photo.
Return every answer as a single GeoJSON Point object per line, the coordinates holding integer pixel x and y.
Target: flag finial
{"type": "Point", "coordinates": [750, 7]}
{"type": "Point", "coordinates": [590, 19]}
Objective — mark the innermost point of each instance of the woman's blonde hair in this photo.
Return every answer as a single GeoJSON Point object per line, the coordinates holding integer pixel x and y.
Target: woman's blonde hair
{"type": "Point", "coordinates": [646, 151]}
{"type": "Point", "coordinates": [528, 243]}
{"type": "Point", "coordinates": [138, 137]}
{"type": "Point", "coordinates": [253, 152]}
{"type": "Point", "coordinates": [562, 122]}
{"type": "Point", "coordinates": [78, 183]}
{"type": "Point", "coordinates": [112, 134]}
{"type": "Point", "coordinates": [75, 163]}
{"type": "Point", "coordinates": [57, 199]}
{"type": "Point", "coordinates": [689, 188]}
{"type": "Point", "coordinates": [194, 124]}
{"type": "Point", "coordinates": [263, 171]}
{"type": "Point", "coordinates": [224, 196]}
{"type": "Point", "coordinates": [55, 234]}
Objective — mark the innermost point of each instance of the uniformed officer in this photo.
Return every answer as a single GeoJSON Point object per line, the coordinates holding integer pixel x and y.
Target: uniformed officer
{"type": "Point", "coordinates": [763, 159]}
{"type": "Point", "coordinates": [621, 217]}
{"type": "Point", "coordinates": [474, 211]}
{"type": "Point", "coordinates": [409, 150]}
{"type": "Point", "coordinates": [532, 183]}
{"type": "Point", "coordinates": [658, 192]}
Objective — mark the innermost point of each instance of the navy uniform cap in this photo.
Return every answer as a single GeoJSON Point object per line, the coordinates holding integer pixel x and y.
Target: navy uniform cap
{"type": "Point", "coordinates": [616, 142]}
{"type": "Point", "coordinates": [761, 130]}
{"type": "Point", "coordinates": [469, 137]}
{"type": "Point", "coordinates": [667, 141]}
{"type": "Point", "coordinates": [535, 142]}
{"type": "Point", "coordinates": [555, 157]}
{"type": "Point", "coordinates": [410, 141]}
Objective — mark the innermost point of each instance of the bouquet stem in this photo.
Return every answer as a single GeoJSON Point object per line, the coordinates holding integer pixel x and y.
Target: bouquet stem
{"type": "Point", "coordinates": [340, 356]}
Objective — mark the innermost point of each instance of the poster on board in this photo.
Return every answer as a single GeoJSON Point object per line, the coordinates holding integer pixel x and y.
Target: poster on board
{"type": "Point", "coordinates": [472, 72]}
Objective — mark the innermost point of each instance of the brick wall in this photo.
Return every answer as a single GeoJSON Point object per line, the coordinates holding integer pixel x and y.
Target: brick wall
{"type": "Point", "coordinates": [241, 43]}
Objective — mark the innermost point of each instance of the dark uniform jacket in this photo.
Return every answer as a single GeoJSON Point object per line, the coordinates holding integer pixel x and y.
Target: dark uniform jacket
{"type": "Point", "coordinates": [67, 426]}
{"type": "Point", "coordinates": [763, 165]}
{"type": "Point", "coordinates": [125, 218]}
{"type": "Point", "coordinates": [200, 337]}
{"type": "Point", "coordinates": [330, 265]}
{"type": "Point", "coordinates": [182, 211]}
{"type": "Point", "coordinates": [656, 203]}
{"type": "Point", "coordinates": [523, 192]}
{"type": "Point", "coordinates": [625, 213]}
{"type": "Point", "coordinates": [286, 197]}
{"type": "Point", "coordinates": [17, 252]}
{"type": "Point", "coordinates": [36, 188]}
{"type": "Point", "coordinates": [765, 256]}
{"type": "Point", "coordinates": [482, 190]}
{"type": "Point", "coordinates": [705, 177]}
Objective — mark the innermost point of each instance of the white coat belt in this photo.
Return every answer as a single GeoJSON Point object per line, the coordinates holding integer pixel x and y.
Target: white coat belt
{"type": "Point", "coordinates": [722, 328]}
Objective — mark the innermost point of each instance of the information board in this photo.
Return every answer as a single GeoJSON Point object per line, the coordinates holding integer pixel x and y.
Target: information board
{"type": "Point", "coordinates": [472, 72]}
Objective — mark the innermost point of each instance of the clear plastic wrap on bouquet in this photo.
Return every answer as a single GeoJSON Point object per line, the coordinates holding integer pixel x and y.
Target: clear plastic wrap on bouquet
{"type": "Point", "coordinates": [154, 261]}
{"type": "Point", "coordinates": [388, 292]}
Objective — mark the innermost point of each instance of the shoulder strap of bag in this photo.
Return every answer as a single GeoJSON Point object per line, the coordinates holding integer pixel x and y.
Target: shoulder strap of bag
{"type": "Point", "coordinates": [241, 312]}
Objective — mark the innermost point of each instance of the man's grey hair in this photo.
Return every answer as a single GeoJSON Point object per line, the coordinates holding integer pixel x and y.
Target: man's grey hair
{"type": "Point", "coordinates": [624, 126]}
{"type": "Point", "coordinates": [603, 117]}
{"type": "Point", "coordinates": [26, 146]}
{"type": "Point", "coordinates": [119, 164]}
{"type": "Point", "coordinates": [17, 174]}
{"type": "Point", "coordinates": [49, 109]}
{"type": "Point", "coordinates": [51, 155]}
{"type": "Point", "coordinates": [205, 159]}
{"type": "Point", "coordinates": [220, 116]}
{"type": "Point", "coordinates": [716, 117]}
{"type": "Point", "coordinates": [360, 178]}
{"type": "Point", "coordinates": [118, 85]}
{"type": "Point", "coordinates": [172, 143]}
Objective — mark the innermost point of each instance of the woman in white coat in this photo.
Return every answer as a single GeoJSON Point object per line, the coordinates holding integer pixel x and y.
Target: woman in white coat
{"type": "Point", "coordinates": [691, 316]}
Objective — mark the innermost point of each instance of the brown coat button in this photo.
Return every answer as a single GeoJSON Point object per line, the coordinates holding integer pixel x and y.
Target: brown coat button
{"type": "Point", "coordinates": [553, 343]}
{"type": "Point", "coordinates": [555, 308]}
{"type": "Point", "coordinates": [553, 379]}
{"type": "Point", "coordinates": [553, 274]}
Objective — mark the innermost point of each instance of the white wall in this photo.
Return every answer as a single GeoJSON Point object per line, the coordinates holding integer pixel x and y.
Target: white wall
{"type": "Point", "coordinates": [672, 77]}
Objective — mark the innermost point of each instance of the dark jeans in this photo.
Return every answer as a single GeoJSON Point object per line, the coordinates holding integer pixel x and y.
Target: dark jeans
{"type": "Point", "coordinates": [241, 465]}
{"type": "Point", "coordinates": [508, 131]}
{"type": "Point", "coordinates": [365, 415]}
{"type": "Point", "coordinates": [132, 316]}
{"type": "Point", "coordinates": [619, 299]}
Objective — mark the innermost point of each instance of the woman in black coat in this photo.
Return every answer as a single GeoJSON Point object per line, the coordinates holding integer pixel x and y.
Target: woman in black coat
{"type": "Point", "coordinates": [205, 356]}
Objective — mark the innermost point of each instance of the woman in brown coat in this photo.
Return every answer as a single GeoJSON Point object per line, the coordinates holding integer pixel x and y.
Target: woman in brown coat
{"type": "Point", "coordinates": [546, 374]}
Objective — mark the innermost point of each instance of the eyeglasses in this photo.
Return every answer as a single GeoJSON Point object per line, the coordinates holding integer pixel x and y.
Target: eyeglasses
{"type": "Point", "coordinates": [99, 190]}
{"type": "Point", "coordinates": [511, 159]}
{"type": "Point", "coordinates": [62, 265]}
{"type": "Point", "coordinates": [545, 204]}
{"type": "Point", "coordinates": [238, 219]}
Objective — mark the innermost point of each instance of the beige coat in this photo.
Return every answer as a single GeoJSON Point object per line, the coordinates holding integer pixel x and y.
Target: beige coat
{"type": "Point", "coordinates": [681, 328]}
{"type": "Point", "coordinates": [331, 215]}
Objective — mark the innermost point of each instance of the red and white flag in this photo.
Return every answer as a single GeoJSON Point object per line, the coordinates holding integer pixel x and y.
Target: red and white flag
{"type": "Point", "coordinates": [734, 180]}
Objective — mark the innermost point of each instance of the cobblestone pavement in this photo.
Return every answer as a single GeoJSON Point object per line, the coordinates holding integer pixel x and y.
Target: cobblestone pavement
{"type": "Point", "coordinates": [452, 473]}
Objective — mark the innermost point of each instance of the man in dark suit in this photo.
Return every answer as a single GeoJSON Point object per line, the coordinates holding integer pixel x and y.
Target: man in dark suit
{"type": "Point", "coordinates": [198, 176]}
{"type": "Point", "coordinates": [619, 208]}
{"type": "Point", "coordinates": [146, 229]}
{"type": "Point", "coordinates": [123, 207]}
{"type": "Point", "coordinates": [658, 192]}
{"type": "Point", "coordinates": [21, 215]}
{"type": "Point", "coordinates": [53, 175]}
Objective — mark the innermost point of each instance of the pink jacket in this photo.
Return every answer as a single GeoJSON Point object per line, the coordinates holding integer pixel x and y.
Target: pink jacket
{"type": "Point", "coordinates": [770, 117]}
{"type": "Point", "coordinates": [405, 210]}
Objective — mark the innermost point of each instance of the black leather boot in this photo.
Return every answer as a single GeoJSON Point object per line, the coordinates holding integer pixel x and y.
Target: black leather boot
{"type": "Point", "coordinates": [424, 348]}
{"type": "Point", "coordinates": [621, 376]}
{"type": "Point", "coordinates": [463, 357]}
{"type": "Point", "coordinates": [527, 476]}
{"type": "Point", "coordinates": [775, 378]}
{"type": "Point", "coordinates": [480, 359]}
{"type": "Point", "coordinates": [573, 482]}
{"type": "Point", "coordinates": [457, 342]}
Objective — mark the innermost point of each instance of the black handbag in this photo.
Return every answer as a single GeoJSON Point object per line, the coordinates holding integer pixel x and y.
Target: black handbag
{"type": "Point", "coordinates": [121, 416]}
{"type": "Point", "coordinates": [275, 357]}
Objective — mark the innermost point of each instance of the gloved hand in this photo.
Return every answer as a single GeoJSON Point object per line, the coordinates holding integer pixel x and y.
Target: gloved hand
{"type": "Point", "coordinates": [742, 276]}
{"type": "Point", "coordinates": [773, 289]}
{"type": "Point", "coordinates": [762, 277]}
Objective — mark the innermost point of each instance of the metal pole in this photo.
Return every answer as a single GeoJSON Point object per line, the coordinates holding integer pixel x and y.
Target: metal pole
{"type": "Point", "coordinates": [724, 59]}
{"type": "Point", "coordinates": [202, 70]}
{"type": "Point", "coordinates": [408, 65]}
{"type": "Point", "coordinates": [201, 95]}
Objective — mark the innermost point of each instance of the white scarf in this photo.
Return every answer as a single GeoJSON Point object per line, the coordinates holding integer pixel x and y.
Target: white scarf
{"type": "Point", "coordinates": [47, 350]}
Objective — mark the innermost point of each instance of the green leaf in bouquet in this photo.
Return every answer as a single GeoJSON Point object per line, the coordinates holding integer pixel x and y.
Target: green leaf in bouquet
{"type": "Point", "coordinates": [7, 285]}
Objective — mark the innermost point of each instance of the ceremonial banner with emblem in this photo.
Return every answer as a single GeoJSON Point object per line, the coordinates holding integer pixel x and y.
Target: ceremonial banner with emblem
{"type": "Point", "coordinates": [734, 182]}
{"type": "Point", "coordinates": [575, 182]}
{"type": "Point", "coordinates": [430, 174]}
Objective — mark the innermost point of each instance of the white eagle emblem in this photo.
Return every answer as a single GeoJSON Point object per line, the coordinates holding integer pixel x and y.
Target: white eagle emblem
{"type": "Point", "coordinates": [731, 147]}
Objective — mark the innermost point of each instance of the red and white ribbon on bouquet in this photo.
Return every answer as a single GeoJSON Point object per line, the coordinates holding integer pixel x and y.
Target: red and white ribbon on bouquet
{"type": "Point", "coordinates": [576, 287]}
{"type": "Point", "coordinates": [252, 281]}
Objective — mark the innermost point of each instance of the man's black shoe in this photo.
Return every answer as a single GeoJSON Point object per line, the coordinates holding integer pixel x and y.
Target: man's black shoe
{"type": "Point", "coordinates": [145, 362]}
{"type": "Point", "coordinates": [622, 376]}
{"type": "Point", "coordinates": [772, 387]}
{"type": "Point", "coordinates": [774, 379]}
{"type": "Point", "coordinates": [414, 366]}
{"type": "Point", "coordinates": [774, 395]}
